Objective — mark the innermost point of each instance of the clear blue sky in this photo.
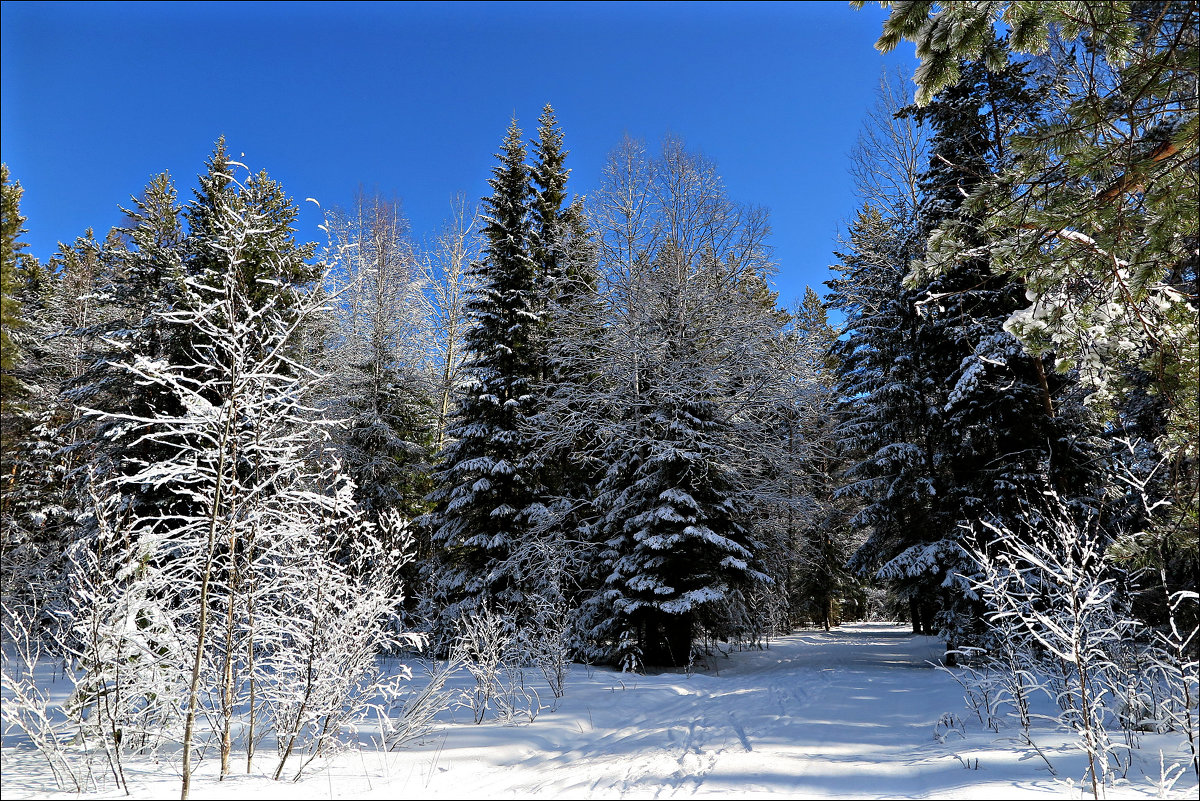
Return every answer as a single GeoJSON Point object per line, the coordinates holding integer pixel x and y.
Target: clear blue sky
{"type": "Point", "coordinates": [413, 99]}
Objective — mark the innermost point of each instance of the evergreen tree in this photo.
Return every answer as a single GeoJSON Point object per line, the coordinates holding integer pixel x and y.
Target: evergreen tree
{"type": "Point", "coordinates": [489, 500]}
{"type": "Point", "coordinates": [12, 422]}
{"type": "Point", "coordinates": [373, 360]}
{"type": "Point", "coordinates": [567, 280]}
{"type": "Point", "coordinates": [548, 221]}
{"type": "Point", "coordinates": [1097, 219]}
{"type": "Point", "coordinates": [676, 377]}
{"type": "Point", "coordinates": [820, 540]}
{"type": "Point", "coordinates": [272, 267]}
{"type": "Point", "coordinates": [43, 503]}
{"type": "Point", "coordinates": [882, 432]}
{"type": "Point", "coordinates": [14, 415]}
{"type": "Point", "coordinates": [10, 308]}
{"type": "Point", "coordinates": [678, 551]}
{"type": "Point", "coordinates": [982, 439]}
{"type": "Point", "coordinates": [140, 280]}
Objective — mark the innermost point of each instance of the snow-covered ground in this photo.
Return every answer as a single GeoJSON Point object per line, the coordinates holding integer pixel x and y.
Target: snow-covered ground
{"type": "Point", "coordinates": [851, 713]}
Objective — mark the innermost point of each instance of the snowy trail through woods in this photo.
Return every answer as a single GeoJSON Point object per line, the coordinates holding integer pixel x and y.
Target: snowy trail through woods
{"type": "Point", "coordinates": [845, 713]}
{"type": "Point", "coordinates": [851, 713]}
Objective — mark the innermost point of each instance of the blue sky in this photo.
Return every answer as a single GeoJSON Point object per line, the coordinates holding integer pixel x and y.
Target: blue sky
{"type": "Point", "coordinates": [413, 99]}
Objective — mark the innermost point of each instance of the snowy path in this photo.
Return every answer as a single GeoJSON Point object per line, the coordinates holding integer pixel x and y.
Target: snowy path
{"type": "Point", "coordinates": [850, 713]}
{"type": "Point", "coordinates": [845, 714]}
{"type": "Point", "coordinates": [816, 715]}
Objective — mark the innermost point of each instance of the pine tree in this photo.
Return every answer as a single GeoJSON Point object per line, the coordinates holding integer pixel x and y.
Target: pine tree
{"type": "Point", "coordinates": [16, 415]}
{"type": "Point", "coordinates": [12, 421]}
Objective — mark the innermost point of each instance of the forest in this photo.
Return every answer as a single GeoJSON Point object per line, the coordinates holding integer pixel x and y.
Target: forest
{"type": "Point", "coordinates": [247, 480]}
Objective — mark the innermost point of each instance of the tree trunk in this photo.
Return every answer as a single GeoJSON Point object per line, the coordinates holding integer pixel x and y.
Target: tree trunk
{"type": "Point", "coordinates": [668, 639]}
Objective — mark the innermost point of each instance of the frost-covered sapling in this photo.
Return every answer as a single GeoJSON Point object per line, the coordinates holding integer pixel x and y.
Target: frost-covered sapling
{"type": "Point", "coordinates": [493, 651]}
{"type": "Point", "coordinates": [1013, 660]}
{"type": "Point", "coordinates": [1175, 660]}
{"type": "Point", "coordinates": [412, 716]}
{"type": "Point", "coordinates": [1058, 585]}
{"type": "Point", "coordinates": [125, 637]}
{"type": "Point", "coordinates": [28, 705]}
{"type": "Point", "coordinates": [242, 568]}
{"type": "Point", "coordinates": [331, 628]}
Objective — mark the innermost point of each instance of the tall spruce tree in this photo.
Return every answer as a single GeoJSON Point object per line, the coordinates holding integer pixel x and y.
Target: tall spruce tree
{"type": "Point", "coordinates": [566, 270]}
{"type": "Point", "coordinates": [820, 540]}
{"type": "Point", "coordinates": [548, 221]}
{"type": "Point", "coordinates": [63, 302]}
{"type": "Point", "coordinates": [141, 280]}
{"type": "Point", "coordinates": [1097, 219]}
{"type": "Point", "coordinates": [882, 433]}
{"type": "Point", "coordinates": [547, 248]}
{"type": "Point", "coordinates": [488, 498]}
{"type": "Point", "coordinates": [674, 382]}
{"type": "Point", "coordinates": [678, 550]}
{"type": "Point", "coordinates": [981, 437]}
{"type": "Point", "coordinates": [273, 267]}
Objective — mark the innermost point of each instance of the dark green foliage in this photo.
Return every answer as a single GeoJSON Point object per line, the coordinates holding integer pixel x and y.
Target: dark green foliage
{"type": "Point", "coordinates": [388, 437]}
{"type": "Point", "coordinates": [368, 347]}
{"type": "Point", "coordinates": [1096, 217]}
{"type": "Point", "coordinates": [819, 539]}
{"type": "Point", "coordinates": [10, 308]}
{"type": "Point", "coordinates": [957, 423]}
{"type": "Point", "coordinates": [272, 267]}
{"type": "Point", "coordinates": [884, 430]}
{"type": "Point", "coordinates": [677, 554]}
{"type": "Point", "coordinates": [488, 497]}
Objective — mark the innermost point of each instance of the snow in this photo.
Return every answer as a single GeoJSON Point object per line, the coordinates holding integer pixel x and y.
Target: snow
{"type": "Point", "coordinates": [858, 712]}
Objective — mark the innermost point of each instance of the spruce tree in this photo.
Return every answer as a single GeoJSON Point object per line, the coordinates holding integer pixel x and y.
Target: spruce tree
{"type": "Point", "coordinates": [10, 309]}
{"type": "Point", "coordinates": [883, 434]}
{"type": "Point", "coordinates": [372, 355]}
{"type": "Point", "coordinates": [567, 281]}
{"type": "Point", "coordinates": [675, 379]}
{"type": "Point", "coordinates": [1097, 218]}
{"type": "Point", "coordinates": [273, 267]}
{"type": "Point", "coordinates": [488, 499]}
{"type": "Point", "coordinates": [820, 539]}
{"type": "Point", "coordinates": [978, 437]}
{"type": "Point", "coordinates": [141, 280]}
{"type": "Point", "coordinates": [44, 504]}
{"type": "Point", "coordinates": [678, 554]}
{"type": "Point", "coordinates": [548, 225]}
{"type": "Point", "coordinates": [1009, 434]}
